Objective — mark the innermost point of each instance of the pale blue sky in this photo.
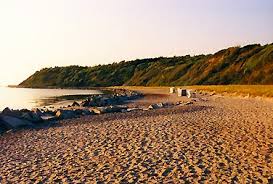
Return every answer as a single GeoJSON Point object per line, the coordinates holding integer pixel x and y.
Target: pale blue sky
{"type": "Point", "coordinates": [37, 33]}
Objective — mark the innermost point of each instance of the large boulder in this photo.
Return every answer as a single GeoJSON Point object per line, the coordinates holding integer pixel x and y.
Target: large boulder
{"type": "Point", "coordinates": [14, 122]}
{"type": "Point", "coordinates": [65, 114]}
{"type": "Point", "coordinates": [172, 90]}
{"type": "Point", "coordinates": [157, 106]}
{"type": "Point", "coordinates": [191, 94]}
{"type": "Point", "coordinates": [117, 109]}
{"type": "Point", "coordinates": [86, 112]}
{"type": "Point", "coordinates": [134, 109]}
{"type": "Point", "coordinates": [48, 112]}
{"type": "Point", "coordinates": [100, 110]}
{"type": "Point", "coordinates": [32, 116]}
{"type": "Point", "coordinates": [48, 117]}
{"type": "Point", "coordinates": [85, 103]}
{"type": "Point", "coordinates": [109, 109]}
{"type": "Point", "coordinates": [181, 92]}
{"type": "Point", "coordinates": [75, 104]}
{"type": "Point", "coordinates": [78, 111]}
{"type": "Point", "coordinates": [37, 111]}
{"type": "Point", "coordinates": [4, 127]}
{"type": "Point", "coordinates": [8, 112]}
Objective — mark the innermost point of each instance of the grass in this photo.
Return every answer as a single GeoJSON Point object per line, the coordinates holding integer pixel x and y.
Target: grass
{"type": "Point", "coordinates": [234, 90]}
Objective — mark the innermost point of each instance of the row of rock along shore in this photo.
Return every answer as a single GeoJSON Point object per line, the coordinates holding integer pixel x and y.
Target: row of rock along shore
{"type": "Point", "coordinates": [113, 101]}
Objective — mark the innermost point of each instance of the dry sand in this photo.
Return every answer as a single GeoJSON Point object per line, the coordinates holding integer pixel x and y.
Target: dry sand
{"type": "Point", "coordinates": [217, 139]}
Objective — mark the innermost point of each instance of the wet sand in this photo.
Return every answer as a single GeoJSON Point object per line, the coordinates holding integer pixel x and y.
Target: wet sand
{"type": "Point", "coordinates": [216, 139]}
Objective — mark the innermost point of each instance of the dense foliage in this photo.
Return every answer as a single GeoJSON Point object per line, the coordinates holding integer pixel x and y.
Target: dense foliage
{"type": "Point", "coordinates": [252, 64]}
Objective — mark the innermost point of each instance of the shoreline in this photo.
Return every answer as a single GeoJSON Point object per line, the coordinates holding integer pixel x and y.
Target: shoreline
{"type": "Point", "coordinates": [111, 100]}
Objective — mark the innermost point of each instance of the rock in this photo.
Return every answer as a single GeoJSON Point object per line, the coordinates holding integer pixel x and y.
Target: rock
{"type": "Point", "coordinates": [100, 110]}
{"type": "Point", "coordinates": [87, 112]}
{"type": "Point", "coordinates": [156, 106]}
{"type": "Point", "coordinates": [172, 90]}
{"type": "Point", "coordinates": [185, 103]}
{"type": "Point", "coordinates": [36, 117]}
{"type": "Point", "coordinates": [9, 112]}
{"type": "Point", "coordinates": [4, 127]}
{"type": "Point", "coordinates": [31, 116]}
{"type": "Point", "coordinates": [191, 94]}
{"type": "Point", "coordinates": [75, 104]}
{"type": "Point", "coordinates": [83, 112]}
{"type": "Point", "coordinates": [188, 103]}
{"type": "Point", "coordinates": [37, 111]}
{"type": "Point", "coordinates": [181, 92]}
{"type": "Point", "coordinates": [109, 109]}
{"type": "Point", "coordinates": [85, 103]}
{"type": "Point", "coordinates": [27, 116]}
{"type": "Point", "coordinates": [134, 109]}
{"type": "Point", "coordinates": [47, 117]}
{"type": "Point", "coordinates": [178, 103]}
{"type": "Point", "coordinates": [211, 93]}
{"type": "Point", "coordinates": [48, 112]}
{"type": "Point", "coordinates": [6, 111]}
{"type": "Point", "coordinates": [152, 106]}
{"type": "Point", "coordinates": [117, 108]}
{"type": "Point", "coordinates": [78, 111]}
{"type": "Point", "coordinates": [14, 122]}
{"type": "Point", "coordinates": [65, 114]}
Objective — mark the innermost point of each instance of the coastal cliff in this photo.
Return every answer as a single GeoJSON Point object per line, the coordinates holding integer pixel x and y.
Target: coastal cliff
{"type": "Point", "coordinates": [251, 64]}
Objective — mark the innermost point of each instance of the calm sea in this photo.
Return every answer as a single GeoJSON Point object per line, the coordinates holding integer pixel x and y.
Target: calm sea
{"type": "Point", "coordinates": [19, 98]}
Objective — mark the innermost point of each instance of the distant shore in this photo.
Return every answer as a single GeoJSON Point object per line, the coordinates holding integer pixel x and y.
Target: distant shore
{"type": "Point", "coordinates": [54, 87]}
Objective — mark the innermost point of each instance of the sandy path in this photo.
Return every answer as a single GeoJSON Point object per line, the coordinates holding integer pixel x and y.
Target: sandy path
{"type": "Point", "coordinates": [222, 139]}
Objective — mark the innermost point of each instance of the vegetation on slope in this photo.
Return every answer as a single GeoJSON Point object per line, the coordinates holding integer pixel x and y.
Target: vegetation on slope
{"type": "Point", "coordinates": [235, 90]}
{"type": "Point", "coordinates": [252, 64]}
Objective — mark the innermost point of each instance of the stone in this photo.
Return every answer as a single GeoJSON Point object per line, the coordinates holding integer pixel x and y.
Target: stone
{"type": "Point", "coordinates": [156, 106]}
{"type": "Point", "coordinates": [32, 116]}
{"type": "Point", "coordinates": [75, 104]}
{"type": "Point", "coordinates": [49, 112]}
{"type": "Point", "coordinates": [78, 111]}
{"type": "Point", "coordinates": [87, 112]}
{"type": "Point", "coordinates": [85, 103]}
{"type": "Point", "coordinates": [65, 114]}
{"type": "Point", "coordinates": [4, 127]}
{"type": "Point", "coordinates": [181, 92]}
{"type": "Point", "coordinates": [6, 111]}
{"type": "Point", "coordinates": [109, 109]}
{"type": "Point", "coordinates": [14, 122]}
{"type": "Point", "coordinates": [211, 93]}
{"type": "Point", "coordinates": [9, 112]}
{"type": "Point", "coordinates": [188, 103]}
{"type": "Point", "coordinates": [191, 94]}
{"type": "Point", "coordinates": [27, 116]}
{"type": "Point", "coordinates": [37, 111]}
{"type": "Point", "coordinates": [47, 117]}
{"type": "Point", "coordinates": [117, 109]}
{"type": "Point", "coordinates": [36, 117]}
{"type": "Point", "coordinates": [134, 109]}
{"type": "Point", "coordinates": [100, 110]}
{"type": "Point", "coordinates": [172, 90]}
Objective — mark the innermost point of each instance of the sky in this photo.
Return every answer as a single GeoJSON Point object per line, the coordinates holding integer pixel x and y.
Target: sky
{"type": "Point", "coordinates": [45, 33]}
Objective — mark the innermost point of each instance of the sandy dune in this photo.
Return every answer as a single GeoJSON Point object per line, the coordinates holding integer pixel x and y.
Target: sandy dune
{"type": "Point", "coordinates": [217, 139]}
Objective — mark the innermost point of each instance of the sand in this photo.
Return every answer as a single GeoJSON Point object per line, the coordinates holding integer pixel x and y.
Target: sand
{"type": "Point", "coordinates": [216, 139]}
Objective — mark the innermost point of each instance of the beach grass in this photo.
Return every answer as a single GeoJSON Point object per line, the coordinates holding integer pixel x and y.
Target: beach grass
{"type": "Point", "coordinates": [234, 90]}
{"type": "Point", "coordinates": [245, 90]}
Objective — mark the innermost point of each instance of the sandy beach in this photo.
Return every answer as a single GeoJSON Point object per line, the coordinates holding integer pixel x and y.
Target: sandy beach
{"type": "Point", "coordinates": [214, 140]}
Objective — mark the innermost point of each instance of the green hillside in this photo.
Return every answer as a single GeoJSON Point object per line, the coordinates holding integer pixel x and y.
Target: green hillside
{"type": "Point", "coordinates": [252, 64]}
